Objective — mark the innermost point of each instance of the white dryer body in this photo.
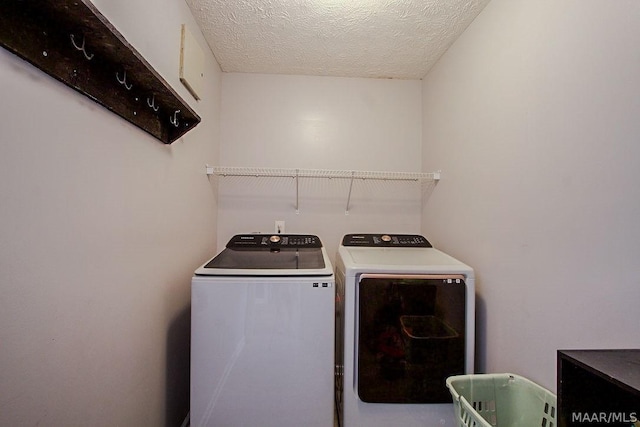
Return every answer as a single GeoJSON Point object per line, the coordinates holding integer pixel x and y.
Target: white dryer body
{"type": "Point", "coordinates": [405, 320]}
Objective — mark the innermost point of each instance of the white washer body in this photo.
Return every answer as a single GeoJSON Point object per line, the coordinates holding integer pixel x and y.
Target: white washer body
{"type": "Point", "coordinates": [351, 264]}
{"type": "Point", "coordinates": [262, 347]}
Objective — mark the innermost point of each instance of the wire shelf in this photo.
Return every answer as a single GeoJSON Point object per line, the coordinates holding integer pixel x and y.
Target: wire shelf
{"type": "Point", "coordinates": [231, 171]}
{"type": "Point", "coordinates": [323, 173]}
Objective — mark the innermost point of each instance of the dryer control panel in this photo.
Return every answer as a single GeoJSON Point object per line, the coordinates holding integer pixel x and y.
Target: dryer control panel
{"type": "Point", "coordinates": [386, 240]}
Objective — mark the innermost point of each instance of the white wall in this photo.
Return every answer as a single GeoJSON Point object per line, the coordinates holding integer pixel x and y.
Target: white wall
{"type": "Point", "coordinates": [319, 123]}
{"type": "Point", "coordinates": [532, 116]}
{"type": "Point", "coordinates": [101, 228]}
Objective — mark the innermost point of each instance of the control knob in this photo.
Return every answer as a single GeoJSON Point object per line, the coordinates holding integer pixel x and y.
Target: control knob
{"type": "Point", "coordinates": [274, 239]}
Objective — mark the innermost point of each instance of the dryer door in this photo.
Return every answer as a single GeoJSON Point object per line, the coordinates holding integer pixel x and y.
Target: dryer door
{"type": "Point", "coordinates": [410, 337]}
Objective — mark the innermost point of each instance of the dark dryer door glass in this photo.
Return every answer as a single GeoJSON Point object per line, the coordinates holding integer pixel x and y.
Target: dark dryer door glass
{"type": "Point", "coordinates": [411, 337]}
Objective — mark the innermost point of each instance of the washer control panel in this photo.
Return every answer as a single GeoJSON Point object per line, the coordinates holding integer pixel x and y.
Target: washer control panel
{"type": "Point", "coordinates": [386, 240]}
{"type": "Point", "coordinates": [260, 241]}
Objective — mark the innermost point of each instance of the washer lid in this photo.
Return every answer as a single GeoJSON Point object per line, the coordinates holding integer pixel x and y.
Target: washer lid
{"type": "Point", "coordinates": [270, 255]}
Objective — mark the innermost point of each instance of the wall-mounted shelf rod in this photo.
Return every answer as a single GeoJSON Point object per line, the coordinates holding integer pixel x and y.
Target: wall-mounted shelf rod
{"type": "Point", "coordinates": [323, 173]}
{"type": "Point", "coordinates": [227, 171]}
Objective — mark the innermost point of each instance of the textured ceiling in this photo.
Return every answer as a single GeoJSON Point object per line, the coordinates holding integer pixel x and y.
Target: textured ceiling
{"type": "Point", "coordinates": [348, 38]}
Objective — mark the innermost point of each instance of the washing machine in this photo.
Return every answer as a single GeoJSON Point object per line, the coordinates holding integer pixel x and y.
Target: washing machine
{"type": "Point", "coordinates": [262, 334]}
{"type": "Point", "coordinates": [404, 323]}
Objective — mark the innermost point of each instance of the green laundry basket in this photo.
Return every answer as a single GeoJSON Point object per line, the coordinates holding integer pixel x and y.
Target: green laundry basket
{"type": "Point", "coordinates": [501, 400]}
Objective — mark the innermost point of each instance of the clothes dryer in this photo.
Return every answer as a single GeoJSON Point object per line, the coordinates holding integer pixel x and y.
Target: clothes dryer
{"type": "Point", "coordinates": [404, 323]}
{"type": "Point", "coordinates": [262, 343]}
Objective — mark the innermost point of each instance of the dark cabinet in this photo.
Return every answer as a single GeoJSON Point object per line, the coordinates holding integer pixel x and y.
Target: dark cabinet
{"type": "Point", "coordinates": [598, 388]}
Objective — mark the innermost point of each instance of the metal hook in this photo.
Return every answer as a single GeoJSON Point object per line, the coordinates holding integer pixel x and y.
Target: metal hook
{"type": "Point", "coordinates": [152, 104]}
{"type": "Point", "coordinates": [123, 81]}
{"type": "Point", "coordinates": [80, 48]}
{"type": "Point", "coordinates": [174, 119]}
